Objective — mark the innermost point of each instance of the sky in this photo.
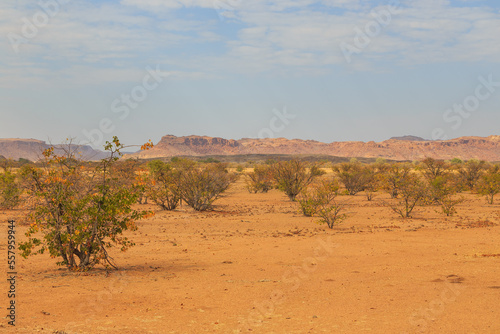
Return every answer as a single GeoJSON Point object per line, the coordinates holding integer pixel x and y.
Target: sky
{"type": "Point", "coordinates": [329, 70]}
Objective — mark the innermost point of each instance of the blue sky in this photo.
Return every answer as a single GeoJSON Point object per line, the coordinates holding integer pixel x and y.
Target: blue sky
{"type": "Point", "coordinates": [342, 69]}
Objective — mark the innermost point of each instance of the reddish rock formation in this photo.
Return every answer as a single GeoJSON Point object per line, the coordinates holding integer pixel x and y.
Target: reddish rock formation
{"type": "Point", "coordinates": [398, 149]}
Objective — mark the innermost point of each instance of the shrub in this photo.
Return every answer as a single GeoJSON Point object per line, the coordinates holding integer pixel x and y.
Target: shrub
{"type": "Point", "coordinates": [489, 184]}
{"type": "Point", "coordinates": [260, 180]}
{"type": "Point", "coordinates": [80, 212]}
{"type": "Point", "coordinates": [199, 187]}
{"type": "Point", "coordinates": [163, 186]}
{"type": "Point", "coordinates": [319, 194]}
{"type": "Point", "coordinates": [331, 214]}
{"type": "Point", "coordinates": [442, 190]}
{"type": "Point", "coordinates": [470, 173]}
{"type": "Point", "coordinates": [412, 191]}
{"type": "Point", "coordinates": [354, 176]}
{"type": "Point", "coordinates": [393, 177]}
{"type": "Point", "coordinates": [432, 168]}
{"type": "Point", "coordinates": [292, 176]}
{"type": "Point", "coordinates": [10, 192]}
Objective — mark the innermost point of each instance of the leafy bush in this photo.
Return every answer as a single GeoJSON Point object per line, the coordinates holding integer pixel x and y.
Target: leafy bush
{"type": "Point", "coordinates": [442, 190]}
{"type": "Point", "coordinates": [470, 173]}
{"type": "Point", "coordinates": [10, 192]}
{"type": "Point", "coordinates": [412, 191]}
{"type": "Point", "coordinates": [432, 168]}
{"type": "Point", "coordinates": [393, 177]}
{"type": "Point", "coordinates": [489, 184]}
{"type": "Point", "coordinates": [80, 212]}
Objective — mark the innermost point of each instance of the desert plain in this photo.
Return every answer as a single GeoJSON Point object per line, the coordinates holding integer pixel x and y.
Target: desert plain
{"type": "Point", "coordinates": [257, 265]}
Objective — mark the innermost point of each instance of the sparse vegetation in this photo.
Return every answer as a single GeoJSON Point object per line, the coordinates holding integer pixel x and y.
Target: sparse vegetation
{"type": "Point", "coordinates": [293, 176]}
{"type": "Point", "coordinates": [163, 186]}
{"type": "Point", "coordinates": [412, 191]}
{"type": "Point", "coordinates": [260, 180]}
{"type": "Point", "coordinates": [489, 183]}
{"type": "Point", "coordinates": [79, 212]}
{"type": "Point", "coordinates": [200, 186]}
{"type": "Point", "coordinates": [10, 191]}
{"type": "Point", "coordinates": [354, 176]}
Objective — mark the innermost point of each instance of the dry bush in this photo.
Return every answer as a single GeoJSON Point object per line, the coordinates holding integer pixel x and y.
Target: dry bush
{"type": "Point", "coordinates": [200, 186]}
{"type": "Point", "coordinates": [319, 194]}
{"type": "Point", "coordinates": [163, 186]}
{"type": "Point", "coordinates": [319, 201]}
{"type": "Point", "coordinates": [293, 176]}
{"type": "Point", "coordinates": [260, 180]}
{"type": "Point", "coordinates": [354, 176]}
{"type": "Point", "coordinates": [332, 214]}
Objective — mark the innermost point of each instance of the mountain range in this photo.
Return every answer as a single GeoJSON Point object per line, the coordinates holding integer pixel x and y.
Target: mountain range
{"type": "Point", "coordinates": [397, 148]}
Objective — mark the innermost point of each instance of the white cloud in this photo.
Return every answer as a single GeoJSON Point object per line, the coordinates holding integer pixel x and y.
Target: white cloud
{"type": "Point", "coordinates": [109, 41]}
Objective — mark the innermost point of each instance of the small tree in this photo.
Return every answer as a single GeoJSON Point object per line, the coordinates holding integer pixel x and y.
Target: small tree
{"type": "Point", "coordinates": [470, 173]}
{"type": "Point", "coordinates": [412, 191]}
{"type": "Point", "coordinates": [80, 211]}
{"type": "Point", "coordinates": [432, 168]}
{"type": "Point", "coordinates": [393, 177]}
{"type": "Point", "coordinates": [319, 194]}
{"type": "Point", "coordinates": [199, 187]}
{"type": "Point", "coordinates": [260, 180]}
{"type": "Point", "coordinates": [163, 186]}
{"type": "Point", "coordinates": [332, 214]}
{"type": "Point", "coordinates": [292, 176]}
{"type": "Point", "coordinates": [354, 176]}
{"type": "Point", "coordinates": [443, 190]}
{"type": "Point", "coordinates": [489, 184]}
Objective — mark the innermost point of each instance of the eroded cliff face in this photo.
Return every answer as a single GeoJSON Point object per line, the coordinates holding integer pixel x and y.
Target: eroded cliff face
{"type": "Point", "coordinates": [464, 148]}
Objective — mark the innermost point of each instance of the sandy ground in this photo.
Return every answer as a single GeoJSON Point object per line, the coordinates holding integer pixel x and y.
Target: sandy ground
{"type": "Point", "coordinates": [255, 265]}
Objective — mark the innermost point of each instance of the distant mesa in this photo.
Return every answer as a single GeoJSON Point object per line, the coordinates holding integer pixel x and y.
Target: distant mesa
{"type": "Point", "coordinates": [409, 138]}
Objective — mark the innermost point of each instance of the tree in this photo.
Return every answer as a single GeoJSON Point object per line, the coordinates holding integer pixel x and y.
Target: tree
{"type": "Point", "coordinates": [432, 168]}
{"type": "Point", "coordinates": [393, 177]}
{"type": "Point", "coordinates": [354, 176]}
{"type": "Point", "coordinates": [489, 183]}
{"type": "Point", "coordinates": [200, 186]}
{"type": "Point", "coordinates": [80, 212]}
{"type": "Point", "coordinates": [471, 172]}
{"type": "Point", "coordinates": [442, 190]}
{"type": "Point", "coordinates": [292, 176]}
{"type": "Point", "coordinates": [319, 194]}
{"type": "Point", "coordinates": [163, 187]}
{"type": "Point", "coordinates": [411, 192]}
{"type": "Point", "coordinates": [260, 180]}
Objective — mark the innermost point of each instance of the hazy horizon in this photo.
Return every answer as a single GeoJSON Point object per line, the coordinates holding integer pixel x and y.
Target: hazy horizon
{"type": "Point", "coordinates": [329, 70]}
